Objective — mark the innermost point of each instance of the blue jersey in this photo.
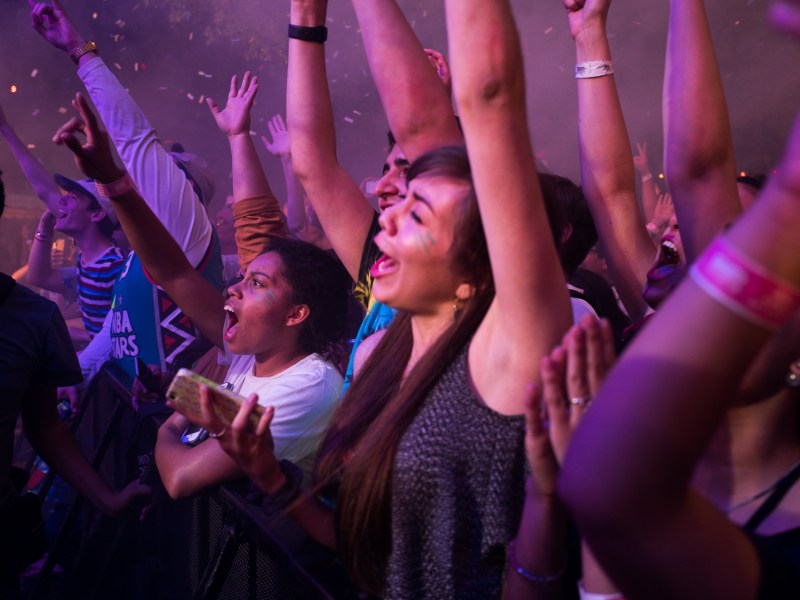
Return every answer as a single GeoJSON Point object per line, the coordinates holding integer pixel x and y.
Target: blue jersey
{"type": "Point", "coordinates": [146, 323]}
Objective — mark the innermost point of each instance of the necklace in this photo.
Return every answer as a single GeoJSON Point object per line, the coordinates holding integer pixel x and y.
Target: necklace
{"type": "Point", "coordinates": [763, 492]}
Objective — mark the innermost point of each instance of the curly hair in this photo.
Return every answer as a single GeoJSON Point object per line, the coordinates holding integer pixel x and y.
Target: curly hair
{"type": "Point", "coordinates": [319, 281]}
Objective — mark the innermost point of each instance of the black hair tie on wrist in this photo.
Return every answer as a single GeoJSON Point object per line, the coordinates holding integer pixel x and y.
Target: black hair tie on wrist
{"type": "Point", "coordinates": [317, 34]}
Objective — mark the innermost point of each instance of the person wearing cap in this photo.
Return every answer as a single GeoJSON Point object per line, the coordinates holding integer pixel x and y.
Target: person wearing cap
{"type": "Point", "coordinates": [80, 213]}
{"type": "Point", "coordinates": [144, 322]}
{"type": "Point", "coordinates": [36, 356]}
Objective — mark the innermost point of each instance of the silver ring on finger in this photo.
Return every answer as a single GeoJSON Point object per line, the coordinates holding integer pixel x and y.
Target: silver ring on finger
{"type": "Point", "coordinates": [219, 434]}
{"type": "Point", "coordinates": [580, 401]}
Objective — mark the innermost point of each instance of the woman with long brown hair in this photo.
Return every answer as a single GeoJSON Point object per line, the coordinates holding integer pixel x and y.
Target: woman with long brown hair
{"type": "Point", "coordinates": [426, 453]}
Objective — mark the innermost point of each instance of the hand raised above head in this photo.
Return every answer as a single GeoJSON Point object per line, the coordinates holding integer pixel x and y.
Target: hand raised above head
{"type": "Point", "coordinates": [53, 24]}
{"type": "Point", "coordinates": [439, 63]}
{"type": "Point", "coordinates": [640, 160]}
{"type": "Point", "coordinates": [586, 14]}
{"type": "Point", "coordinates": [93, 157]}
{"type": "Point", "coordinates": [234, 119]}
{"type": "Point", "coordinates": [279, 146]}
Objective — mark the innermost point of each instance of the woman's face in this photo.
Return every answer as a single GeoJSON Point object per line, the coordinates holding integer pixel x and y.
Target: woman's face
{"type": "Point", "coordinates": [669, 267]}
{"type": "Point", "coordinates": [415, 271]}
{"type": "Point", "coordinates": [258, 306]}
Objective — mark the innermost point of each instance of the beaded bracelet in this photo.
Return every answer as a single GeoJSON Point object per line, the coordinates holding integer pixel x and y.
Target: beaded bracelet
{"type": "Point", "coordinates": [527, 575]}
{"type": "Point", "coordinates": [744, 287]}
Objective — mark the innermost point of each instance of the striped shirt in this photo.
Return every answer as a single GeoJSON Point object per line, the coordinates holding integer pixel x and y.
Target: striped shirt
{"type": "Point", "coordinates": [93, 283]}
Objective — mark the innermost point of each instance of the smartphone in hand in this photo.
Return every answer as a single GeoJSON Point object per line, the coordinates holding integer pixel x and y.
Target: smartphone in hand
{"type": "Point", "coordinates": [183, 394]}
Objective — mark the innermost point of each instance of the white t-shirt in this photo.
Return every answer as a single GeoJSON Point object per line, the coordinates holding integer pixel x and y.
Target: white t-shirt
{"type": "Point", "coordinates": [304, 396]}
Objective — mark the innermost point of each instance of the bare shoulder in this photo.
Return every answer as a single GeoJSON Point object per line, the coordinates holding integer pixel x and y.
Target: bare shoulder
{"type": "Point", "coordinates": [365, 349]}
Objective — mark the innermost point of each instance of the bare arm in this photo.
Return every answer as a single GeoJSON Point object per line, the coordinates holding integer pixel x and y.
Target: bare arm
{"type": "Point", "coordinates": [698, 156]}
{"type": "Point", "coordinates": [280, 147]}
{"type": "Point", "coordinates": [249, 179]}
{"type": "Point", "coordinates": [649, 193]}
{"type": "Point", "coordinates": [186, 470]}
{"type": "Point", "coordinates": [41, 181]}
{"type": "Point", "coordinates": [254, 453]}
{"type": "Point", "coordinates": [575, 369]}
{"type": "Point", "coordinates": [654, 536]}
{"type": "Point", "coordinates": [607, 161]}
{"type": "Point", "coordinates": [489, 88]}
{"type": "Point", "coordinates": [415, 101]}
{"type": "Point", "coordinates": [345, 214]}
{"type": "Point", "coordinates": [159, 252]}
{"type": "Point", "coordinates": [163, 185]}
{"type": "Point", "coordinates": [40, 268]}
{"type": "Point", "coordinates": [52, 440]}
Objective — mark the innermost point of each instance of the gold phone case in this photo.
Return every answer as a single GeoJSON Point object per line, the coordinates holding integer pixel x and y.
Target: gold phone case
{"type": "Point", "coordinates": [184, 395]}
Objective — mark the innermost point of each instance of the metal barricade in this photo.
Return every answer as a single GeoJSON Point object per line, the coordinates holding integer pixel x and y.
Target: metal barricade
{"type": "Point", "coordinates": [215, 545]}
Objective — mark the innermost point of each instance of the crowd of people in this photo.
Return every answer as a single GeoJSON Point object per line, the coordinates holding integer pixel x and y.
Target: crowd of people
{"type": "Point", "coordinates": [449, 451]}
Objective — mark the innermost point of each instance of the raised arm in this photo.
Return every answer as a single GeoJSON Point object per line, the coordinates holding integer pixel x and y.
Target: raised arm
{"type": "Point", "coordinates": [41, 181]}
{"type": "Point", "coordinates": [654, 536]}
{"type": "Point", "coordinates": [257, 215]}
{"type": "Point", "coordinates": [489, 88]}
{"type": "Point", "coordinates": [279, 146]}
{"type": "Point", "coordinates": [234, 121]}
{"type": "Point", "coordinates": [345, 214]}
{"type": "Point", "coordinates": [161, 182]}
{"type": "Point", "coordinates": [160, 254]}
{"type": "Point", "coordinates": [416, 102]}
{"type": "Point", "coordinates": [698, 155]}
{"type": "Point", "coordinates": [606, 158]}
{"type": "Point", "coordinates": [649, 192]}
{"type": "Point", "coordinates": [40, 269]}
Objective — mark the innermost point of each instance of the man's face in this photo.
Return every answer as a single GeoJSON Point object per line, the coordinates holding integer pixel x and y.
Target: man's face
{"type": "Point", "coordinates": [391, 187]}
{"type": "Point", "coordinates": [74, 214]}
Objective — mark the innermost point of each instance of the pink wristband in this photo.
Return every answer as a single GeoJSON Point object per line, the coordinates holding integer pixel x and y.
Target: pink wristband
{"type": "Point", "coordinates": [116, 188]}
{"type": "Point", "coordinates": [744, 287]}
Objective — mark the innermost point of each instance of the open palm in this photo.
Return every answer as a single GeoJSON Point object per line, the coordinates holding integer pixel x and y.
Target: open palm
{"type": "Point", "coordinates": [234, 119]}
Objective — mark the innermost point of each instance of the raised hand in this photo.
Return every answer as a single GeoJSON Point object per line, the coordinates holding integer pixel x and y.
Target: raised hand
{"type": "Point", "coordinates": [785, 14]}
{"type": "Point", "coordinates": [53, 24]}
{"type": "Point", "coordinates": [586, 14]}
{"type": "Point", "coordinates": [571, 376]}
{"type": "Point", "coordinates": [439, 63]}
{"type": "Point", "coordinates": [279, 146]}
{"type": "Point", "coordinates": [93, 157]}
{"type": "Point", "coordinates": [47, 222]}
{"type": "Point", "coordinates": [640, 161]}
{"type": "Point", "coordinates": [234, 119]}
{"type": "Point", "coordinates": [663, 211]}
{"type": "Point", "coordinates": [253, 452]}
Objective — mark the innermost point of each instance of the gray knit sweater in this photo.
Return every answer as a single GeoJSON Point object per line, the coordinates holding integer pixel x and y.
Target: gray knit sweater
{"type": "Point", "coordinates": [457, 495]}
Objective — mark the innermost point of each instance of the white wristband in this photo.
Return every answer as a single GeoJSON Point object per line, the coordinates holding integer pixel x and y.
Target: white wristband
{"type": "Point", "coordinates": [593, 68]}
